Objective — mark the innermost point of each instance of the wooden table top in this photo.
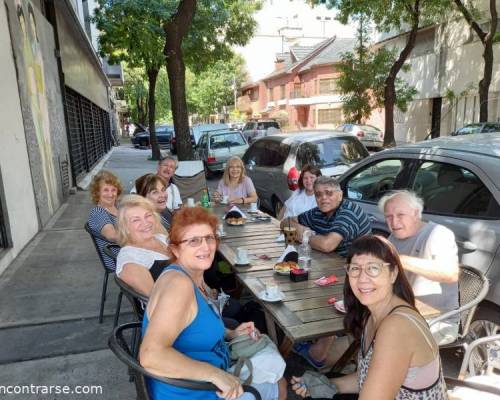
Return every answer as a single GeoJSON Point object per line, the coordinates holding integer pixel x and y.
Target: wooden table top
{"type": "Point", "coordinates": [304, 313]}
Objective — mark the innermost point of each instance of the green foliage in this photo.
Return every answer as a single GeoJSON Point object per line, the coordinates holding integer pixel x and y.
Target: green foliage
{"type": "Point", "coordinates": [136, 93]}
{"type": "Point", "coordinates": [362, 79]}
{"type": "Point", "coordinates": [210, 90]}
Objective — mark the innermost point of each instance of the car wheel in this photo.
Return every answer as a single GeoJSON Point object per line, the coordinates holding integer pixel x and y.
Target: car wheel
{"type": "Point", "coordinates": [486, 322]}
{"type": "Point", "coordinates": [277, 206]}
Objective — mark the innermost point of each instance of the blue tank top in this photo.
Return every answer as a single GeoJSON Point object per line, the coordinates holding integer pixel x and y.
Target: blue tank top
{"type": "Point", "coordinates": [202, 340]}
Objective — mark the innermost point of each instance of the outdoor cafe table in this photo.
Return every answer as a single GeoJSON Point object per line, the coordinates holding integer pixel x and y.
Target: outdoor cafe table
{"type": "Point", "coordinates": [304, 313]}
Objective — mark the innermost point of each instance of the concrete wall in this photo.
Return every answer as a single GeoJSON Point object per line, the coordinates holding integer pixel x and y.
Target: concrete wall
{"type": "Point", "coordinates": [81, 70]}
{"type": "Point", "coordinates": [17, 188]}
{"type": "Point", "coordinates": [32, 40]}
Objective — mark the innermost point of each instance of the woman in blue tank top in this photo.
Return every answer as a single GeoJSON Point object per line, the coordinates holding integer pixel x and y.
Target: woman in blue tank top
{"type": "Point", "coordinates": [183, 334]}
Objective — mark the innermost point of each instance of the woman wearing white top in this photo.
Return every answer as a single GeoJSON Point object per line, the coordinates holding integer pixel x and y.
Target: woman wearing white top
{"type": "Point", "coordinates": [302, 200]}
{"type": "Point", "coordinates": [144, 241]}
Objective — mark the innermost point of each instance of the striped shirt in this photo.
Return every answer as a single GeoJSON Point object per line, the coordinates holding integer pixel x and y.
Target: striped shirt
{"type": "Point", "coordinates": [98, 218]}
{"type": "Point", "coordinates": [349, 221]}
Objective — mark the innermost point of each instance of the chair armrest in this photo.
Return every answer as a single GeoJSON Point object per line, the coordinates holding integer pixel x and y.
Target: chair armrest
{"type": "Point", "coordinates": [480, 297]}
{"type": "Point", "coordinates": [470, 348]}
{"type": "Point", "coordinates": [472, 385]}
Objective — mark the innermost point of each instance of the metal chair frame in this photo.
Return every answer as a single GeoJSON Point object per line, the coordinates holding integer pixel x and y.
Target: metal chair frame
{"type": "Point", "coordinates": [119, 346]}
{"type": "Point", "coordinates": [107, 271]}
{"type": "Point", "coordinates": [468, 305]}
{"type": "Point", "coordinates": [133, 296]}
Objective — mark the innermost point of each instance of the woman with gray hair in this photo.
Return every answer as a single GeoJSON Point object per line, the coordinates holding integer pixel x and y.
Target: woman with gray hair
{"type": "Point", "coordinates": [144, 243]}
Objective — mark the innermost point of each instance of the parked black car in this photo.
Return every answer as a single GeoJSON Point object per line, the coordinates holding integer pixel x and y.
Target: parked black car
{"type": "Point", "coordinates": [163, 134]}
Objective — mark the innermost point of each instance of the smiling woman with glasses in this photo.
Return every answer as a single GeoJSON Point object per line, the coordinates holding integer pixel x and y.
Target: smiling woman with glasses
{"type": "Point", "coordinates": [398, 358]}
{"type": "Point", "coordinates": [183, 331]}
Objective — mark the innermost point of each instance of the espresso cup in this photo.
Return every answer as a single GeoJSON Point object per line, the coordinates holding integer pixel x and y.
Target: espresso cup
{"type": "Point", "coordinates": [190, 202]}
{"type": "Point", "coordinates": [272, 290]}
{"type": "Point", "coordinates": [241, 256]}
{"type": "Point", "coordinates": [225, 199]}
{"type": "Point", "coordinates": [220, 230]}
{"type": "Point", "coordinates": [253, 207]}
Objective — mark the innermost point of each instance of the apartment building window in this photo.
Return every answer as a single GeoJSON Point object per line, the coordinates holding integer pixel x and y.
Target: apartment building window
{"type": "Point", "coordinates": [330, 116]}
{"type": "Point", "coordinates": [282, 92]}
{"type": "Point", "coordinates": [270, 94]}
{"type": "Point", "coordinates": [327, 86]}
{"type": "Point", "coordinates": [297, 91]}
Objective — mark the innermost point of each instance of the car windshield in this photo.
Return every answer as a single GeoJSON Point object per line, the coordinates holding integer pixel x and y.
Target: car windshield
{"type": "Point", "coordinates": [330, 152]}
{"type": "Point", "coordinates": [368, 128]}
{"type": "Point", "coordinates": [226, 140]}
{"type": "Point", "coordinates": [472, 128]}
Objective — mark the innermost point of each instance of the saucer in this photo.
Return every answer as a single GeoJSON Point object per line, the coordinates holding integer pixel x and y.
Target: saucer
{"type": "Point", "coordinates": [242, 264]}
{"type": "Point", "coordinates": [339, 305]}
{"type": "Point", "coordinates": [263, 296]}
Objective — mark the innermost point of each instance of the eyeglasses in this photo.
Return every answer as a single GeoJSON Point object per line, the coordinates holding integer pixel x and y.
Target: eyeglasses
{"type": "Point", "coordinates": [372, 269]}
{"type": "Point", "coordinates": [196, 241]}
{"type": "Point", "coordinates": [328, 193]}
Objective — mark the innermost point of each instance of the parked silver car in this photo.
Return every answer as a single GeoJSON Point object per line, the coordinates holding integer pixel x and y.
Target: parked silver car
{"type": "Point", "coordinates": [269, 160]}
{"type": "Point", "coordinates": [459, 181]}
{"type": "Point", "coordinates": [216, 147]}
{"type": "Point", "coordinates": [370, 136]}
{"type": "Point", "coordinates": [479, 127]}
{"type": "Point", "coordinates": [260, 128]}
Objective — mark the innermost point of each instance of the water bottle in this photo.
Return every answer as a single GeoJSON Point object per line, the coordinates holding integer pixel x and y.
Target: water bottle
{"type": "Point", "coordinates": [205, 200]}
{"type": "Point", "coordinates": [305, 251]}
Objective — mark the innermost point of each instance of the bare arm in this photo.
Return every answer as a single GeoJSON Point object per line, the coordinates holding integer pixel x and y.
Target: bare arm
{"type": "Point", "coordinates": [325, 243]}
{"type": "Point", "coordinates": [110, 233]}
{"type": "Point", "coordinates": [138, 277]}
{"type": "Point", "coordinates": [281, 213]}
{"type": "Point", "coordinates": [347, 384]}
{"type": "Point", "coordinates": [173, 308]}
{"type": "Point", "coordinates": [252, 198]}
{"type": "Point", "coordinates": [390, 361]}
{"type": "Point", "coordinates": [434, 270]}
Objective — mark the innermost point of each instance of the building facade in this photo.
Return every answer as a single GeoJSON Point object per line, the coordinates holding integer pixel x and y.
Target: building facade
{"type": "Point", "coordinates": [446, 67]}
{"type": "Point", "coordinates": [55, 113]}
{"type": "Point", "coordinates": [302, 91]}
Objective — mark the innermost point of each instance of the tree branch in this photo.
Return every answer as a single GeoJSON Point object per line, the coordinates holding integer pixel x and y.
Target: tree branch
{"type": "Point", "coordinates": [470, 20]}
{"type": "Point", "coordinates": [494, 22]}
{"type": "Point", "coordinates": [181, 20]}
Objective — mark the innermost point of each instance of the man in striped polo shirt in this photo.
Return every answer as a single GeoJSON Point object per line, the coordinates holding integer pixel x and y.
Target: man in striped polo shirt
{"type": "Point", "coordinates": [336, 222]}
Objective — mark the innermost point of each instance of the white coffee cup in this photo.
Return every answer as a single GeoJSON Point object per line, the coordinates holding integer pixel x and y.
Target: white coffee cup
{"type": "Point", "coordinates": [253, 207]}
{"type": "Point", "coordinates": [241, 255]}
{"type": "Point", "coordinates": [225, 199]}
{"type": "Point", "coordinates": [190, 202]}
{"type": "Point", "coordinates": [272, 290]}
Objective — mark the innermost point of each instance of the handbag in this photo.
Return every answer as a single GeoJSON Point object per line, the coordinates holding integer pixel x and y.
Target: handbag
{"type": "Point", "coordinates": [257, 361]}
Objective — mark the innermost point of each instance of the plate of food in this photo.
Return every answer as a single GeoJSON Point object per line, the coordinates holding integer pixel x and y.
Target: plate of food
{"type": "Point", "coordinates": [235, 221]}
{"type": "Point", "coordinates": [284, 267]}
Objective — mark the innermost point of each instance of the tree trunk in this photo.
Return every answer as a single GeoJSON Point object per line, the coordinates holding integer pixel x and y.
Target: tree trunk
{"type": "Point", "coordinates": [175, 30]}
{"type": "Point", "coordinates": [390, 82]}
{"type": "Point", "coordinates": [484, 84]}
{"type": "Point", "coordinates": [153, 141]}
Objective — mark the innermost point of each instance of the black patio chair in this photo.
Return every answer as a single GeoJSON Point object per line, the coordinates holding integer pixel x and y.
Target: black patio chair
{"type": "Point", "coordinates": [473, 288]}
{"type": "Point", "coordinates": [136, 299]}
{"type": "Point", "coordinates": [118, 345]}
{"type": "Point", "coordinates": [107, 271]}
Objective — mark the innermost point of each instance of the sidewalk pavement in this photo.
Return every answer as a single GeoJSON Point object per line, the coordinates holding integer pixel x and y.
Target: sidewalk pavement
{"type": "Point", "coordinates": [50, 298]}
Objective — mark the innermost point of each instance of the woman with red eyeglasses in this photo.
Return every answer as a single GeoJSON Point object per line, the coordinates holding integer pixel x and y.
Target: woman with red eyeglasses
{"type": "Point", "coordinates": [183, 332]}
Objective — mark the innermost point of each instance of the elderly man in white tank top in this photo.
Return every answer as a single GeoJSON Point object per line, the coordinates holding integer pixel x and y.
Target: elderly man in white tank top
{"type": "Point", "coordinates": [429, 256]}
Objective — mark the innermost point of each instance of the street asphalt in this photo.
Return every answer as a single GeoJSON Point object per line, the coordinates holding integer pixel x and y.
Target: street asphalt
{"type": "Point", "coordinates": [50, 296]}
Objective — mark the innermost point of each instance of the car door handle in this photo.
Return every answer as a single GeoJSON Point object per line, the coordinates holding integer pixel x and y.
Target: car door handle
{"type": "Point", "coordinates": [466, 246]}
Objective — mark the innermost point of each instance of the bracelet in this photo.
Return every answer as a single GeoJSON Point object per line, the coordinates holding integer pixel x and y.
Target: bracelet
{"type": "Point", "coordinates": [242, 200]}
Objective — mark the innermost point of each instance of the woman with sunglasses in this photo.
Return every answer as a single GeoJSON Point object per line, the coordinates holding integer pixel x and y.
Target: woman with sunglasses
{"type": "Point", "coordinates": [183, 333]}
{"type": "Point", "coordinates": [398, 357]}
{"type": "Point", "coordinates": [144, 243]}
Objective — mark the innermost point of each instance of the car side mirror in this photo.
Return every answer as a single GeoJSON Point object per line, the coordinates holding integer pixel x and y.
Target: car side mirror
{"type": "Point", "coordinates": [251, 165]}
